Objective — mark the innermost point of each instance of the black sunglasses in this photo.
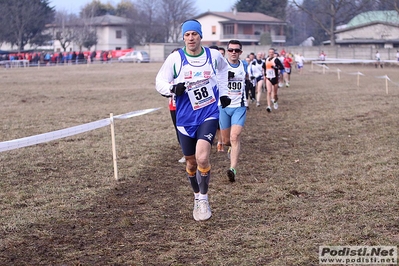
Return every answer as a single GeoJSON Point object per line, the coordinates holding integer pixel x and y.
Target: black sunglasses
{"type": "Point", "coordinates": [234, 50]}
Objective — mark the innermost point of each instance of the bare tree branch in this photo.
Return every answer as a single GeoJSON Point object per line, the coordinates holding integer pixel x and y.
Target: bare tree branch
{"type": "Point", "coordinates": [328, 14]}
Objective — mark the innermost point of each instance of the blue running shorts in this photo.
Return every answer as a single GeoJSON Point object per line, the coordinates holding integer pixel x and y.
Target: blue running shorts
{"type": "Point", "coordinates": [232, 116]}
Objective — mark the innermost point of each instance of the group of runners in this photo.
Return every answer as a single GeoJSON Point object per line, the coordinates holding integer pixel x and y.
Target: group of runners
{"type": "Point", "coordinates": [269, 73]}
{"type": "Point", "coordinates": [209, 92]}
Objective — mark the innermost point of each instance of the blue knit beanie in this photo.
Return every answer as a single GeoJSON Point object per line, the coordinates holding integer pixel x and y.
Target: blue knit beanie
{"type": "Point", "coordinates": [191, 25]}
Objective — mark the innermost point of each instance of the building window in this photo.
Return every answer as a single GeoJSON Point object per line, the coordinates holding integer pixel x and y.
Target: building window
{"type": "Point", "coordinates": [228, 29]}
{"type": "Point", "coordinates": [213, 30]}
{"type": "Point", "coordinates": [118, 48]}
{"type": "Point", "coordinates": [119, 34]}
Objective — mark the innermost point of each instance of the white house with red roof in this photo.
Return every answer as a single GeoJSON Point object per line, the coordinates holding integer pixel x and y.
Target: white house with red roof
{"type": "Point", "coordinates": [248, 27]}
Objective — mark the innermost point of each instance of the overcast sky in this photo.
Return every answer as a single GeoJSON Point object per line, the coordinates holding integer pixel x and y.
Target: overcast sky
{"type": "Point", "coordinates": [74, 6]}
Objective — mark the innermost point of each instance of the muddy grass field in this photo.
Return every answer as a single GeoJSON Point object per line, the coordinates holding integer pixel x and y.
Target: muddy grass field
{"type": "Point", "coordinates": [320, 170]}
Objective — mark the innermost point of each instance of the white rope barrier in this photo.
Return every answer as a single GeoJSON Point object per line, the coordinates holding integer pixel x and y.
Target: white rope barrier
{"type": "Point", "coordinates": [46, 137]}
{"type": "Point", "coordinates": [15, 63]}
{"type": "Point", "coordinates": [135, 113]}
{"type": "Point", "coordinates": [67, 132]}
{"type": "Point", "coordinates": [358, 74]}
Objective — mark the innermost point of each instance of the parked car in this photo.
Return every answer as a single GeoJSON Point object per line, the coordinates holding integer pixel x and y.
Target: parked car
{"type": "Point", "coordinates": [135, 57]}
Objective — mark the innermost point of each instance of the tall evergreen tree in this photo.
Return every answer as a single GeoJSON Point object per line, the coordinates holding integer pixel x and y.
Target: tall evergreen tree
{"type": "Point", "coordinates": [24, 21]}
{"type": "Point", "coordinates": [248, 5]}
{"type": "Point", "coordinates": [96, 8]}
{"type": "Point", "coordinates": [273, 8]}
{"type": "Point", "coordinates": [387, 5]}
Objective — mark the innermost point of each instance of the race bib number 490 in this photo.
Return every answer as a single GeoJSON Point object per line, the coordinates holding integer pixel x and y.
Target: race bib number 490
{"type": "Point", "coordinates": [234, 88]}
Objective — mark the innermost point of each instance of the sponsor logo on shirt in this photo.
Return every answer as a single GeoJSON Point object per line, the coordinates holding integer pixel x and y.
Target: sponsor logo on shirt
{"type": "Point", "coordinates": [188, 75]}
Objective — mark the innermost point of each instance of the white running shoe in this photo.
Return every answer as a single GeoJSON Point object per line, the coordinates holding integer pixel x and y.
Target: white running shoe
{"type": "Point", "coordinates": [203, 210]}
{"type": "Point", "coordinates": [196, 210]}
{"type": "Point", "coordinates": [182, 160]}
{"type": "Point", "coordinates": [275, 105]}
{"type": "Point", "coordinates": [257, 104]}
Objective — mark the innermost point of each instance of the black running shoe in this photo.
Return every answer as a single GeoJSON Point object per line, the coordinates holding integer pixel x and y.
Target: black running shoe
{"type": "Point", "coordinates": [231, 174]}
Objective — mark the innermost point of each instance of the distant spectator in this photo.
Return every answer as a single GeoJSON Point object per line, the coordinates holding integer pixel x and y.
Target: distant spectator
{"type": "Point", "coordinates": [109, 56]}
{"type": "Point", "coordinates": [322, 56]}
{"type": "Point", "coordinates": [73, 57]}
{"type": "Point", "coordinates": [92, 56]}
{"type": "Point", "coordinates": [36, 58]}
{"type": "Point", "coordinates": [53, 58]}
{"type": "Point", "coordinates": [81, 57]}
{"type": "Point", "coordinates": [47, 58]}
{"type": "Point", "coordinates": [42, 58]}
{"type": "Point", "coordinates": [104, 57]}
{"type": "Point", "coordinates": [60, 58]}
{"type": "Point", "coordinates": [377, 60]}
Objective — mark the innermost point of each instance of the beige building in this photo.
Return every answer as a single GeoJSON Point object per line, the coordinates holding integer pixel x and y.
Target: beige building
{"type": "Point", "coordinates": [376, 29]}
{"type": "Point", "coordinates": [110, 30]}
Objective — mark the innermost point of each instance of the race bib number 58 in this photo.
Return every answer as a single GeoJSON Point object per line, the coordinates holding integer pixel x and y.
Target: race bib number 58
{"type": "Point", "coordinates": [201, 96]}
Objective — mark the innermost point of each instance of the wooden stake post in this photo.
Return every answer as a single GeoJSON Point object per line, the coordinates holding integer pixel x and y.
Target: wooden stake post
{"type": "Point", "coordinates": [386, 84]}
{"type": "Point", "coordinates": [113, 146]}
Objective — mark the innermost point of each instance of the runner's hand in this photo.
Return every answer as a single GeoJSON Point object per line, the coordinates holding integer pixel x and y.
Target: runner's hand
{"type": "Point", "coordinates": [225, 101]}
{"type": "Point", "coordinates": [179, 88]}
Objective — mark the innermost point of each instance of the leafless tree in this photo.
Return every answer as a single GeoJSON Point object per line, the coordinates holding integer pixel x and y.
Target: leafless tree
{"type": "Point", "coordinates": [85, 34]}
{"type": "Point", "coordinates": [174, 13]}
{"type": "Point", "coordinates": [64, 28]}
{"type": "Point", "coordinates": [328, 14]}
{"type": "Point", "coordinates": [152, 21]}
{"type": "Point", "coordinates": [127, 9]}
{"type": "Point", "coordinates": [148, 25]}
{"type": "Point", "coordinates": [157, 20]}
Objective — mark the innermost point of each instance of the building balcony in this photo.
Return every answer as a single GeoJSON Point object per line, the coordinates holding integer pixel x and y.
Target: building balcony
{"type": "Point", "coordinates": [250, 38]}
